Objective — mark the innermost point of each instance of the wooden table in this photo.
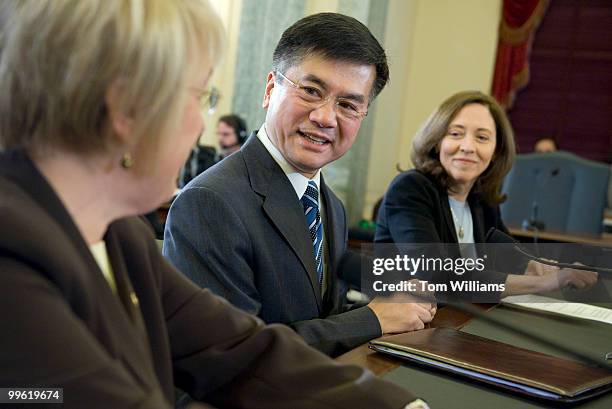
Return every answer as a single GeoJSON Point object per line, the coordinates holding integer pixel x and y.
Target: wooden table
{"type": "Point", "coordinates": [556, 237]}
{"type": "Point", "coordinates": [358, 236]}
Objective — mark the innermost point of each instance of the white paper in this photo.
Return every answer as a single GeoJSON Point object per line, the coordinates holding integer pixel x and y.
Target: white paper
{"type": "Point", "coordinates": [572, 309]}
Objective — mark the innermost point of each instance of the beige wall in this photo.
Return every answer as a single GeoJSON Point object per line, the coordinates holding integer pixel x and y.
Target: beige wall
{"type": "Point", "coordinates": [223, 77]}
{"type": "Point", "coordinates": [435, 48]}
{"type": "Point", "coordinates": [320, 6]}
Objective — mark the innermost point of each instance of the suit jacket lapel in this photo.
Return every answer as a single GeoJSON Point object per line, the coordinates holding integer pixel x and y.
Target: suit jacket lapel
{"type": "Point", "coordinates": [125, 292]}
{"type": "Point", "coordinates": [334, 232]}
{"type": "Point", "coordinates": [136, 354]}
{"type": "Point", "coordinates": [477, 220]}
{"type": "Point", "coordinates": [281, 205]}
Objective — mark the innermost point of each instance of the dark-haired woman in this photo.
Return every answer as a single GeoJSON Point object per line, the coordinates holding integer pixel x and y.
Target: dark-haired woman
{"type": "Point", "coordinates": [461, 155]}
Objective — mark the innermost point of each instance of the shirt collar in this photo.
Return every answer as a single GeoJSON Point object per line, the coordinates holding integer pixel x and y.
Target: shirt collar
{"type": "Point", "coordinates": [298, 181]}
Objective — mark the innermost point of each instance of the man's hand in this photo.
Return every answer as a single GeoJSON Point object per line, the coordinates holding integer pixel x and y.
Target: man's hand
{"type": "Point", "coordinates": [403, 313]}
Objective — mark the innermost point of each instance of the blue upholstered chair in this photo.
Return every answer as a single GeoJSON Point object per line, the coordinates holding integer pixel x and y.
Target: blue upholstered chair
{"type": "Point", "coordinates": [569, 192]}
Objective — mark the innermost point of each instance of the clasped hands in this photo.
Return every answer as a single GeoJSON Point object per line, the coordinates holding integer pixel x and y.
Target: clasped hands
{"type": "Point", "coordinates": [404, 312]}
{"type": "Point", "coordinates": [555, 278]}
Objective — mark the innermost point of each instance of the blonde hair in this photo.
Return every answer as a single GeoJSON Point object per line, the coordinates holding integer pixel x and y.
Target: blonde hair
{"type": "Point", "coordinates": [58, 58]}
{"type": "Point", "coordinates": [426, 158]}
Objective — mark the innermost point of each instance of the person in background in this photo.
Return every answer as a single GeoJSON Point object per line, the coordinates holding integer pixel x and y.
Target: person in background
{"type": "Point", "coordinates": [545, 145]}
{"type": "Point", "coordinates": [231, 135]}
{"type": "Point", "coordinates": [200, 158]}
{"type": "Point", "coordinates": [376, 209]}
{"type": "Point", "coordinates": [461, 155]}
{"type": "Point", "coordinates": [284, 230]}
{"type": "Point", "coordinates": [87, 302]}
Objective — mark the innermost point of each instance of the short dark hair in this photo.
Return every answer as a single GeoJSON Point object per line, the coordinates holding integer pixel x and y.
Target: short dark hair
{"type": "Point", "coordinates": [336, 37]}
{"type": "Point", "coordinates": [426, 157]}
{"type": "Point", "coordinates": [238, 125]}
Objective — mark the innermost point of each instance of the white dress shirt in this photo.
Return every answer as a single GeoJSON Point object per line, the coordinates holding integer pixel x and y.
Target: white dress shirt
{"type": "Point", "coordinates": [299, 183]}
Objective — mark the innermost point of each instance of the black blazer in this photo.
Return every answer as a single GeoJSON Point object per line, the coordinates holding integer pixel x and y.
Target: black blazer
{"type": "Point", "coordinates": [201, 158]}
{"type": "Point", "coordinates": [415, 209]}
{"type": "Point", "coordinates": [239, 230]}
{"type": "Point", "coordinates": [62, 326]}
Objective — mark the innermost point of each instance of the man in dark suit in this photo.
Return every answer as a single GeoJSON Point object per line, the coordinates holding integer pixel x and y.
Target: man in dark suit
{"type": "Point", "coordinates": [273, 233]}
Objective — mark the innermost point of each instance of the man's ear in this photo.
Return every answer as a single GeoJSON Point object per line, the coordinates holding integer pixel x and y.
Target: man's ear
{"type": "Point", "coordinates": [120, 121]}
{"type": "Point", "coordinates": [268, 93]}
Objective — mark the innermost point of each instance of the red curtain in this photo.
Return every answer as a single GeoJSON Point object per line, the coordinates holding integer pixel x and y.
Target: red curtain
{"type": "Point", "coordinates": [519, 21]}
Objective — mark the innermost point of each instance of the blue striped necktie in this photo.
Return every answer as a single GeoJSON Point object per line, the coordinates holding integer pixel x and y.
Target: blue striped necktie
{"type": "Point", "coordinates": [310, 201]}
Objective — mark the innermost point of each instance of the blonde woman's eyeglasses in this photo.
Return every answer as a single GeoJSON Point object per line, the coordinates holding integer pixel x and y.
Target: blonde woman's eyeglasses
{"type": "Point", "coordinates": [208, 98]}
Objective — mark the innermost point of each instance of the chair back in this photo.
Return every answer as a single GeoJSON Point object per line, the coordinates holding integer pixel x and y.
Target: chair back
{"type": "Point", "coordinates": [568, 191]}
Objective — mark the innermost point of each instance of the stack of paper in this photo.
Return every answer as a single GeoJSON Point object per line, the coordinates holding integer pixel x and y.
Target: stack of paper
{"type": "Point", "coordinates": [552, 305]}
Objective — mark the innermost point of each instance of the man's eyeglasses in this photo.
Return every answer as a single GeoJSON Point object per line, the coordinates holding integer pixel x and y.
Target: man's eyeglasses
{"type": "Point", "coordinates": [315, 97]}
{"type": "Point", "coordinates": [208, 99]}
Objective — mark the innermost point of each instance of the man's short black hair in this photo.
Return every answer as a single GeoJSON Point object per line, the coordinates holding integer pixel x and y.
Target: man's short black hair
{"type": "Point", "coordinates": [333, 36]}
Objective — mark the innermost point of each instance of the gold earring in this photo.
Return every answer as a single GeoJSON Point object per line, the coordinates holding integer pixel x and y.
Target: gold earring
{"type": "Point", "coordinates": [127, 161]}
